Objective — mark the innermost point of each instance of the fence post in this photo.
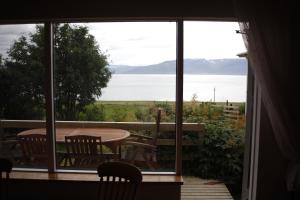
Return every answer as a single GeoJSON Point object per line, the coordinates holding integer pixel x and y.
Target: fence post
{"type": "Point", "coordinates": [1, 131]}
{"type": "Point", "coordinates": [157, 120]}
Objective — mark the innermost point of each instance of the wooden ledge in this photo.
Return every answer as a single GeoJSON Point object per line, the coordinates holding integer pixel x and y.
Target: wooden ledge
{"type": "Point", "coordinates": [88, 177]}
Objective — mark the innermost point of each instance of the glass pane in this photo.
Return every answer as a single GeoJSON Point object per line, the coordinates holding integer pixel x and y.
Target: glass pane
{"type": "Point", "coordinates": [22, 102]}
{"type": "Point", "coordinates": [214, 101]}
{"type": "Point", "coordinates": [115, 81]}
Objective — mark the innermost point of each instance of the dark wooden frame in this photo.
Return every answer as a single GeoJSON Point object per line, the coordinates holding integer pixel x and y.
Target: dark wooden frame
{"type": "Point", "coordinates": [179, 95]}
{"type": "Point", "coordinates": [6, 167]}
{"type": "Point", "coordinates": [49, 96]}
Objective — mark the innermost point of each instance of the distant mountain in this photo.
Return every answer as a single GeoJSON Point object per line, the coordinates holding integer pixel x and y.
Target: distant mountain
{"type": "Point", "coordinates": [232, 66]}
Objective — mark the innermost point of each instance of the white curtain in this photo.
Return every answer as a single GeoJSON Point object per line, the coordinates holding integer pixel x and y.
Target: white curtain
{"type": "Point", "coordinates": [267, 31]}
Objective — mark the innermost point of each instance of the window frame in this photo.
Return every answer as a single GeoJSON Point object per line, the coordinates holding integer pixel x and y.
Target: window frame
{"type": "Point", "coordinates": [49, 97]}
{"type": "Point", "coordinates": [49, 89]}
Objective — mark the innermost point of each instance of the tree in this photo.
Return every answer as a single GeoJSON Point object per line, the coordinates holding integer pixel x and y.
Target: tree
{"type": "Point", "coordinates": [81, 70]}
{"type": "Point", "coordinates": [80, 73]}
{"type": "Point", "coordinates": [22, 77]}
{"type": "Point", "coordinates": [1, 65]}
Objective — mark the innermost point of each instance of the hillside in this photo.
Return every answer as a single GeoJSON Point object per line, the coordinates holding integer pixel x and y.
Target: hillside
{"type": "Point", "coordinates": [191, 66]}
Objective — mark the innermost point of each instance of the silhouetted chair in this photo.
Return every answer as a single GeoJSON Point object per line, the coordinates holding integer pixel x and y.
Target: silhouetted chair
{"type": "Point", "coordinates": [118, 180]}
{"type": "Point", "coordinates": [34, 148]}
{"type": "Point", "coordinates": [83, 151]}
{"type": "Point", "coordinates": [142, 149]}
{"type": "Point", "coordinates": [6, 167]}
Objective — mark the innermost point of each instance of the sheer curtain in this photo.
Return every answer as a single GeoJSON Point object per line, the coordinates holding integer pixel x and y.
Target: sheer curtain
{"type": "Point", "coordinates": [267, 31]}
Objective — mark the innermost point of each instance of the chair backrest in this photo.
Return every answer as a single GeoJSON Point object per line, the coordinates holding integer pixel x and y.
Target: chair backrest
{"type": "Point", "coordinates": [34, 147]}
{"type": "Point", "coordinates": [83, 150]}
{"type": "Point", "coordinates": [118, 180]}
{"type": "Point", "coordinates": [6, 167]}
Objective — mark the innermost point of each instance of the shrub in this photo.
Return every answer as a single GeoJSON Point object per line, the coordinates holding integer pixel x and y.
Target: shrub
{"type": "Point", "coordinates": [92, 112]}
{"type": "Point", "coordinates": [221, 154]}
{"type": "Point", "coordinates": [242, 108]}
{"type": "Point", "coordinates": [168, 110]}
{"type": "Point", "coordinates": [141, 114]}
{"type": "Point", "coordinates": [119, 114]}
{"type": "Point", "coordinates": [201, 112]}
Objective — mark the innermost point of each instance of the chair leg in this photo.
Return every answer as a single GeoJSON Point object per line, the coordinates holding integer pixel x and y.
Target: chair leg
{"type": "Point", "coordinates": [150, 159]}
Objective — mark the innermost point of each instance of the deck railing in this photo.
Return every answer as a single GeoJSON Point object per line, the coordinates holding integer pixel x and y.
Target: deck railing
{"type": "Point", "coordinates": [133, 126]}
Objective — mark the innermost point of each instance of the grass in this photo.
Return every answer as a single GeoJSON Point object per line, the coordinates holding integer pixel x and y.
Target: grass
{"type": "Point", "coordinates": [145, 111]}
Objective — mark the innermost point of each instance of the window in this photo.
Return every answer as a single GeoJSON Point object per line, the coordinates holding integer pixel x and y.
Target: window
{"type": "Point", "coordinates": [22, 75]}
{"type": "Point", "coordinates": [114, 75]}
{"type": "Point", "coordinates": [214, 96]}
{"type": "Point", "coordinates": [116, 81]}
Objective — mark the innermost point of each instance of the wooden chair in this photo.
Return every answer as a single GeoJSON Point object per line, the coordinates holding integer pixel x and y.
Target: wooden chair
{"type": "Point", "coordinates": [118, 180]}
{"type": "Point", "coordinates": [143, 149]}
{"type": "Point", "coordinates": [6, 167]}
{"type": "Point", "coordinates": [83, 151]}
{"type": "Point", "coordinates": [34, 148]}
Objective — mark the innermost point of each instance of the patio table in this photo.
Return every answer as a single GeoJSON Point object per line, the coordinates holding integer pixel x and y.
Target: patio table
{"type": "Point", "coordinates": [110, 137]}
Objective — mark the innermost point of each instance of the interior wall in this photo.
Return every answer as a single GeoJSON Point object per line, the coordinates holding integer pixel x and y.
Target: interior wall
{"type": "Point", "coordinates": [72, 190]}
{"type": "Point", "coordinates": [97, 10]}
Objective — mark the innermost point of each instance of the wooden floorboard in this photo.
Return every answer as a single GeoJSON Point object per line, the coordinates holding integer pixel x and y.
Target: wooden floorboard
{"type": "Point", "coordinates": [199, 189]}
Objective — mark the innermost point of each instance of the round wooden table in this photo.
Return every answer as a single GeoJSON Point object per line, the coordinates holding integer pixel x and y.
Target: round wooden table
{"type": "Point", "coordinates": [110, 137]}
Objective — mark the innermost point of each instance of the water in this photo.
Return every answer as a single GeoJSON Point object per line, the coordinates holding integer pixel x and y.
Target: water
{"type": "Point", "coordinates": [145, 87]}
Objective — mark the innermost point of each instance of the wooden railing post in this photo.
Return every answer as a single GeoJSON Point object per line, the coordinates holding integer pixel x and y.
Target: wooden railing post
{"type": "Point", "coordinates": [157, 120]}
{"type": "Point", "coordinates": [1, 131]}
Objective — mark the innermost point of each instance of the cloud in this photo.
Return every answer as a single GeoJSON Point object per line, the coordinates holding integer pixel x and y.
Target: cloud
{"type": "Point", "coordinates": [10, 33]}
{"type": "Point", "coordinates": [145, 43]}
{"type": "Point", "coordinates": [134, 39]}
{"type": "Point", "coordinates": [136, 43]}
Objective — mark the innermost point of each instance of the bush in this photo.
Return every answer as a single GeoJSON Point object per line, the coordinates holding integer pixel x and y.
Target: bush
{"type": "Point", "coordinates": [118, 114]}
{"type": "Point", "coordinates": [168, 111]}
{"type": "Point", "coordinates": [201, 112]}
{"type": "Point", "coordinates": [221, 154]}
{"type": "Point", "coordinates": [242, 108]}
{"type": "Point", "coordinates": [92, 112]}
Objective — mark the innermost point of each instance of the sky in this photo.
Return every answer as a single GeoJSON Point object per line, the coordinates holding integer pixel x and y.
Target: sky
{"type": "Point", "coordinates": [145, 43]}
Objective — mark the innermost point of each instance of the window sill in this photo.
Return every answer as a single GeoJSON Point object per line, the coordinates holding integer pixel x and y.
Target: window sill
{"type": "Point", "coordinates": [87, 177]}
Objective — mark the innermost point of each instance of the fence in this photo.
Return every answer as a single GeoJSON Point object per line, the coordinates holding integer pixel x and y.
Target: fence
{"type": "Point", "coordinates": [231, 112]}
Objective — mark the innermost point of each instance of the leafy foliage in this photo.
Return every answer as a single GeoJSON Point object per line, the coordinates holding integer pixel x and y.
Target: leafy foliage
{"type": "Point", "coordinates": [219, 156]}
{"type": "Point", "coordinates": [221, 153]}
{"type": "Point", "coordinates": [1, 62]}
{"type": "Point", "coordinates": [92, 112]}
{"type": "Point", "coordinates": [201, 112]}
{"type": "Point", "coordinates": [168, 111]}
{"type": "Point", "coordinates": [81, 70]}
{"type": "Point", "coordinates": [22, 79]}
{"type": "Point", "coordinates": [80, 74]}
{"type": "Point", "coordinates": [242, 108]}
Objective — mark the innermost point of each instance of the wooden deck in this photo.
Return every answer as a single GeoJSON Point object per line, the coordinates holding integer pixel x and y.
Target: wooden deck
{"type": "Point", "coordinates": [196, 188]}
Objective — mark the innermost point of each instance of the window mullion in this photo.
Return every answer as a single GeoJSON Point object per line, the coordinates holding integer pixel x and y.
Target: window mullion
{"type": "Point", "coordinates": [179, 95]}
{"type": "Point", "coordinates": [49, 95]}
